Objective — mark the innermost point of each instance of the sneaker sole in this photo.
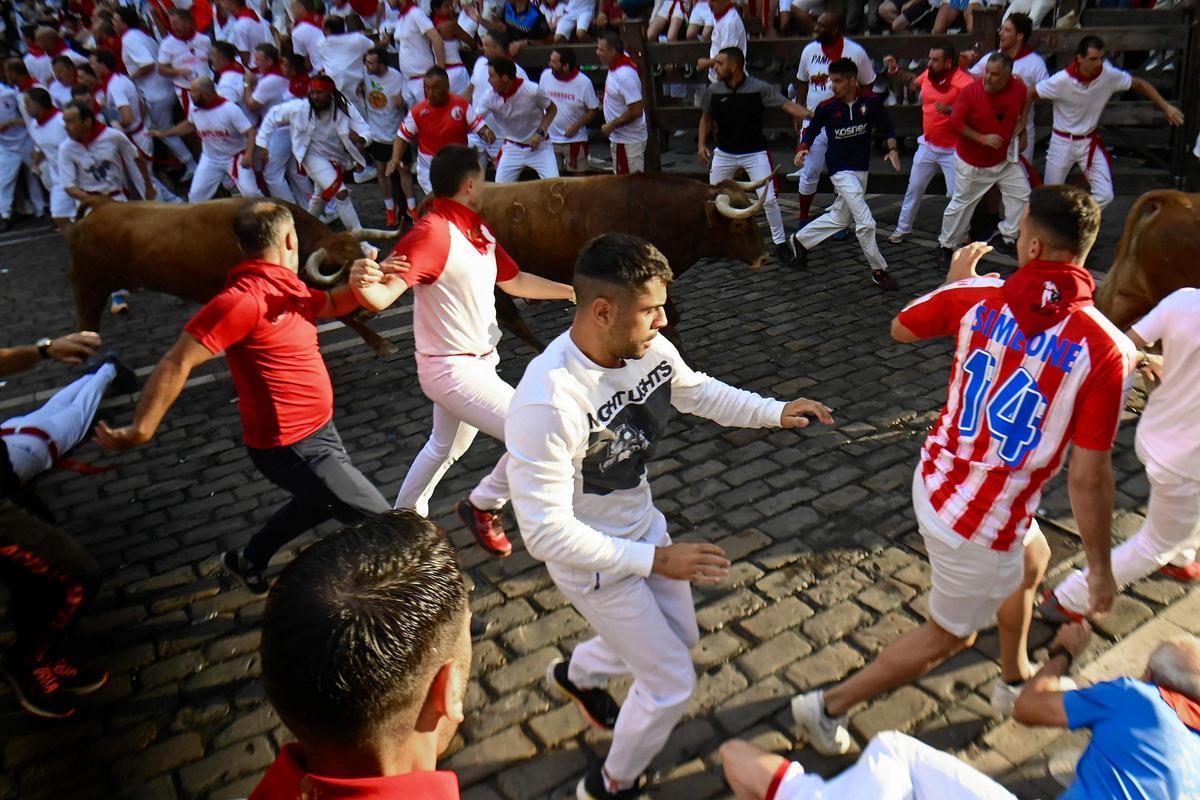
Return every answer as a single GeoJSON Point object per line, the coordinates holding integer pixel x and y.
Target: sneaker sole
{"type": "Point", "coordinates": [802, 723]}
{"type": "Point", "coordinates": [468, 519]}
{"type": "Point", "coordinates": [558, 689]}
{"type": "Point", "coordinates": [29, 706]}
{"type": "Point", "coordinates": [90, 688]}
{"type": "Point", "coordinates": [260, 592]}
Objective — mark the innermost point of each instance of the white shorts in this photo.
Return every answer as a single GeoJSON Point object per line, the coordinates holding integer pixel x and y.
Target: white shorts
{"type": "Point", "coordinates": [969, 580]}
{"type": "Point", "coordinates": [62, 205]}
{"type": "Point", "coordinates": [628, 157]}
{"type": "Point", "coordinates": [460, 79]}
{"type": "Point", "coordinates": [572, 156]}
{"type": "Point", "coordinates": [576, 19]}
{"type": "Point", "coordinates": [671, 10]}
{"type": "Point", "coordinates": [413, 91]}
{"type": "Point", "coordinates": [423, 162]}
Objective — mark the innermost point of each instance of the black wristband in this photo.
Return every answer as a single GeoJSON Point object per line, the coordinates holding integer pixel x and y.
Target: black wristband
{"type": "Point", "coordinates": [540, 133]}
{"type": "Point", "coordinates": [1058, 650]}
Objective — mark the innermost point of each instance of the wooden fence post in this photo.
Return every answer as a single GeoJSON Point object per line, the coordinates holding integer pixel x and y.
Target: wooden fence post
{"type": "Point", "coordinates": [986, 28]}
{"type": "Point", "coordinates": [635, 45]}
{"type": "Point", "coordinates": [1188, 172]}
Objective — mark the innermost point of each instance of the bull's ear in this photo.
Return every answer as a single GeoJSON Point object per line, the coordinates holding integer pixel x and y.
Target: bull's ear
{"type": "Point", "coordinates": [711, 214]}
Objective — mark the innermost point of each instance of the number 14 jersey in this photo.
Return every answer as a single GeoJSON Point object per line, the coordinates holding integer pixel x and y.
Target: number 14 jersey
{"type": "Point", "coordinates": [1015, 402]}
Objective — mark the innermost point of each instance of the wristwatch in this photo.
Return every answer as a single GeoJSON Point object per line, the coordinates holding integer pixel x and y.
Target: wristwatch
{"type": "Point", "coordinates": [43, 346]}
{"type": "Point", "coordinates": [540, 133]}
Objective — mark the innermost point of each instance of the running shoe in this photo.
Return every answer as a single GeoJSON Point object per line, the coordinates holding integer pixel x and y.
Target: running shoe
{"type": "Point", "coordinates": [799, 251]}
{"type": "Point", "coordinates": [236, 564]}
{"type": "Point", "coordinates": [828, 735]}
{"type": "Point", "coordinates": [487, 527]}
{"type": "Point", "coordinates": [39, 691]}
{"type": "Point", "coordinates": [392, 218]}
{"type": "Point", "coordinates": [883, 279]}
{"type": "Point", "coordinates": [898, 237]}
{"type": "Point", "coordinates": [1004, 695]}
{"type": "Point", "coordinates": [1188, 574]}
{"type": "Point", "coordinates": [1055, 612]}
{"type": "Point", "coordinates": [596, 705]}
{"type": "Point", "coordinates": [592, 787]}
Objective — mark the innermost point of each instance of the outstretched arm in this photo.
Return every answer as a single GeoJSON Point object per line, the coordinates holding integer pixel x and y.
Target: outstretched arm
{"type": "Point", "coordinates": [1174, 115]}
{"type": "Point", "coordinates": [535, 287]}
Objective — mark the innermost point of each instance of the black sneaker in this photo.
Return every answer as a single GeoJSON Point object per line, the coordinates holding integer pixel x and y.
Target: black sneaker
{"type": "Point", "coordinates": [78, 680]}
{"type": "Point", "coordinates": [783, 252]}
{"type": "Point", "coordinates": [38, 690]}
{"type": "Point", "coordinates": [883, 279]}
{"type": "Point", "coordinates": [237, 565]}
{"type": "Point", "coordinates": [799, 251]}
{"type": "Point", "coordinates": [596, 705]}
{"type": "Point", "coordinates": [591, 787]}
{"type": "Point", "coordinates": [944, 255]}
{"type": "Point", "coordinates": [1002, 246]}
{"type": "Point", "coordinates": [126, 380]}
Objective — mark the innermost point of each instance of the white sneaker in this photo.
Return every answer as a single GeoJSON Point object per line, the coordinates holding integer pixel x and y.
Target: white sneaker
{"type": "Point", "coordinates": [827, 735]}
{"type": "Point", "coordinates": [795, 175]}
{"type": "Point", "coordinates": [366, 174]}
{"type": "Point", "coordinates": [1004, 697]}
{"type": "Point", "coordinates": [897, 237]}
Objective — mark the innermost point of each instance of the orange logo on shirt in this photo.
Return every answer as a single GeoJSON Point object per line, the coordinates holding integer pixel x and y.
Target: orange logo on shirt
{"type": "Point", "coordinates": [377, 99]}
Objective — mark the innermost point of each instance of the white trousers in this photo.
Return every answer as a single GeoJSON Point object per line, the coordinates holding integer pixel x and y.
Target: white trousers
{"type": "Point", "coordinates": [423, 162]}
{"type": "Point", "coordinates": [850, 205]}
{"type": "Point", "coordinates": [896, 767]}
{"type": "Point", "coordinates": [284, 181]}
{"type": "Point", "coordinates": [970, 184]}
{"type": "Point", "coordinates": [928, 159]}
{"type": "Point", "coordinates": [1170, 533]}
{"type": "Point", "coordinates": [515, 157]}
{"type": "Point", "coordinates": [11, 159]}
{"type": "Point", "coordinates": [1066, 153]}
{"type": "Point", "coordinates": [814, 162]}
{"type": "Point", "coordinates": [487, 152]}
{"type": "Point", "coordinates": [162, 116]}
{"type": "Point", "coordinates": [328, 183]}
{"type": "Point", "coordinates": [66, 417]}
{"type": "Point", "coordinates": [210, 172]}
{"type": "Point", "coordinates": [468, 396]}
{"type": "Point", "coordinates": [645, 628]}
{"type": "Point", "coordinates": [758, 166]}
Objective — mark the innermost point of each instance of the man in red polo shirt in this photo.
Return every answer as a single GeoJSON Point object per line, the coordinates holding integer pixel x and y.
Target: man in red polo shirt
{"type": "Point", "coordinates": [384, 601]}
{"type": "Point", "coordinates": [989, 118]}
{"type": "Point", "coordinates": [265, 322]}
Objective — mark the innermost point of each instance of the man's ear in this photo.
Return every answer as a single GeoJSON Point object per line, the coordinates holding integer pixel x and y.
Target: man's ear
{"type": "Point", "coordinates": [603, 312]}
{"type": "Point", "coordinates": [449, 690]}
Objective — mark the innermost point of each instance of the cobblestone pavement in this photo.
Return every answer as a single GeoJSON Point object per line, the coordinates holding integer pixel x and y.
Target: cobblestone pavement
{"type": "Point", "coordinates": [828, 566]}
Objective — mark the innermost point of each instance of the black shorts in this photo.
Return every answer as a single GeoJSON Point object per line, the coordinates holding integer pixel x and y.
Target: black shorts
{"type": "Point", "coordinates": [380, 152]}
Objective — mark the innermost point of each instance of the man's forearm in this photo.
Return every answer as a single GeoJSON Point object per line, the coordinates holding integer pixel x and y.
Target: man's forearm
{"type": "Point", "coordinates": [969, 134]}
{"type": "Point", "coordinates": [179, 129]}
{"type": "Point", "coordinates": [629, 116]}
{"type": "Point", "coordinates": [341, 302]}
{"type": "Point", "coordinates": [535, 287]}
{"type": "Point", "coordinates": [161, 392]}
{"type": "Point", "coordinates": [377, 296]}
{"type": "Point", "coordinates": [702, 137]}
{"type": "Point", "coordinates": [18, 359]}
{"type": "Point", "coordinates": [1092, 503]}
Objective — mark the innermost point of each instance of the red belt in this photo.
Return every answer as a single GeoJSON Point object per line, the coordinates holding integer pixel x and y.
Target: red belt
{"type": "Point", "coordinates": [1097, 144]}
{"type": "Point", "coordinates": [518, 144]}
{"type": "Point", "coordinates": [52, 448]}
{"type": "Point", "coordinates": [1075, 137]}
{"type": "Point", "coordinates": [457, 355]}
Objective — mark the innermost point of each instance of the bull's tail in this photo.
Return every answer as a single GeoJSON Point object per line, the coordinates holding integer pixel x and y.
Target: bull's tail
{"type": "Point", "coordinates": [90, 204]}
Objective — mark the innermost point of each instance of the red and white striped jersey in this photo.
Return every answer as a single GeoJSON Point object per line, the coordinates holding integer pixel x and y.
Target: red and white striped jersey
{"type": "Point", "coordinates": [1014, 404]}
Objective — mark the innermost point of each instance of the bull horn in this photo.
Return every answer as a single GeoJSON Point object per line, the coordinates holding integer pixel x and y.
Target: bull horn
{"type": "Point", "coordinates": [754, 186]}
{"type": "Point", "coordinates": [312, 268]}
{"type": "Point", "coordinates": [365, 234]}
{"type": "Point", "coordinates": [727, 210]}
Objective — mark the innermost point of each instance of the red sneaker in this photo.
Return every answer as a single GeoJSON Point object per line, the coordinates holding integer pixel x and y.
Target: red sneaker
{"type": "Point", "coordinates": [487, 528]}
{"type": "Point", "coordinates": [1055, 612]}
{"type": "Point", "coordinates": [392, 219]}
{"type": "Point", "coordinates": [1188, 574]}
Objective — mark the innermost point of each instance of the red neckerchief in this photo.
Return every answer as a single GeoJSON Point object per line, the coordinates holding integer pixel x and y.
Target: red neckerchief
{"type": "Point", "coordinates": [272, 70]}
{"type": "Point", "coordinates": [1024, 51]}
{"type": "Point", "coordinates": [512, 89]}
{"type": "Point", "coordinates": [407, 9]}
{"type": "Point", "coordinates": [572, 75]}
{"type": "Point", "coordinates": [623, 60]}
{"type": "Point", "coordinates": [312, 18]}
{"type": "Point", "coordinates": [62, 48]}
{"type": "Point", "coordinates": [834, 51]}
{"type": "Point", "coordinates": [97, 110]}
{"type": "Point", "coordinates": [217, 102]}
{"type": "Point", "coordinates": [1187, 708]}
{"type": "Point", "coordinates": [728, 8]}
{"type": "Point", "coordinates": [49, 115]}
{"type": "Point", "coordinates": [438, 19]}
{"type": "Point", "coordinates": [35, 51]}
{"type": "Point", "coordinates": [298, 86]}
{"type": "Point", "coordinates": [942, 83]}
{"type": "Point", "coordinates": [97, 129]}
{"type": "Point", "coordinates": [1073, 71]}
{"type": "Point", "coordinates": [27, 83]}
{"type": "Point", "coordinates": [247, 13]}
{"type": "Point", "coordinates": [288, 778]}
{"type": "Point", "coordinates": [471, 224]}
{"type": "Point", "coordinates": [233, 67]}
{"type": "Point", "coordinates": [107, 81]}
{"type": "Point", "coordinates": [1042, 293]}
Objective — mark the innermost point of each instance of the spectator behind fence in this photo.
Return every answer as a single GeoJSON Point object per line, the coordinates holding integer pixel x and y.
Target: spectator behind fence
{"type": "Point", "coordinates": [365, 657]}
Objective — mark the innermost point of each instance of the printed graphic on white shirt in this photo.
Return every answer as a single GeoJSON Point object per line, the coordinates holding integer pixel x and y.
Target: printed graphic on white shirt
{"type": "Point", "coordinates": [624, 432]}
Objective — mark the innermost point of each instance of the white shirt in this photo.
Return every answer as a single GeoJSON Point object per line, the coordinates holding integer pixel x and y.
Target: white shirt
{"type": "Point", "coordinates": [579, 437]}
{"type": "Point", "coordinates": [519, 115]}
{"type": "Point", "coordinates": [728, 31]}
{"type": "Point", "coordinates": [1169, 431]}
{"type": "Point", "coordinates": [222, 130]}
{"type": "Point", "coordinates": [231, 84]}
{"type": "Point", "coordinates": [1030, 68]}
{"type": "Point", "coordinates": [414, 49]}
{"type": "Point", "coordinates": [382, 92]}
{"type": "Point", "coordinates": [138, 50]}
{"type": "Point", "coordinates": [249, 33]}
{"type": "Point", "coordinates": [11, 107]}
{"type": "Point", "coordinates": [623, 88]}
{"type": "Point", "coordinates": [341, 56]}
{"type": "Point", "coordinates": [270, 90]}
{"type": "Point", "coordinates": [1078, 105]}
{"type": "Point", "coordinates": [326, 143]}
{"type": "Point", "coordinates": [814, 69]}
{"type": "Point", "coordinates": [191, 55]}
{"type": "Point", "coordinates": [100, 166]}
{"type": "Point", "coordinates": [60, 93]}
{"type": "Point", "coordinates": [480, 87]}
{"type": "Point", "coordinates": [40, 67]}
{"type": "Point", "coordinates": [574, 98]}
{"type": "Point", "coordinates": [48, 137]}
{"type": "Point", "coordinates": [306, 41]}
{"type": "Point", "coordinates": [117, 93]}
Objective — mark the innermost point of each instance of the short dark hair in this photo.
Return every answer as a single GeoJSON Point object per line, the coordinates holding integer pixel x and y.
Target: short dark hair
{"type": "Point", "coordinates": [269, 50]}
{"type": "Point", "coordinates": [356, 625]}
{"type": "Point", "coordinates": [1023, 24]}
{"type": "Point", "coordinates": [40, 96]}
{"type": "Point", "coordinates": [503, 66]}
{"type": "Point", "coordinates": [1065, 215]}
{"type": "Point", "coordinates": [256, 226]}
{"type": "Point", "coordinates": [437, 72]}
{"type": "Point", "coordinates": [296, 62]}
{"type": "Point", "coordinates": [566, 55]}
{"type": "Point", "coordinates": [312, 6]}
{"type": "Point", "coordinates": [621, 260]}
{"type": "Point", "coordinates": [499, 37]}
{"type": "Point", "coordinates": [452, 165]}
{"type": "Point", "coordinates": [83, 109]}
{"type": "Point", "coordinates": [334, 25]}
{"type": "Point", "coordinates": [734, 54]}
{"type": "Point", "coordinates": [182, 13]}
{"type": "Point", "coordinates": [1089, 43]}
{"type": "Point", "coordinates": [1002, 57]}
{"type": "Point", "coordinates": [106, 57]}
{"type": "Point", "coordinates": [379, 52]}
{"type": "Point", "coordinates": [612, 39]}
{"type": "Point", "coordinates": [63, 60]}
{"type": "Point", "coordinates": [80, 89]}
{"type": "Point", "coordinates": [844, 67]}
{"type": "Point", "coordinates": [129, 16]}
{"type": "Point", "coordinates": [949, 51]}
{"type": "Point", "coordinates": [228, 50]}
{"type": "Point", "coordinates": [16, 66]}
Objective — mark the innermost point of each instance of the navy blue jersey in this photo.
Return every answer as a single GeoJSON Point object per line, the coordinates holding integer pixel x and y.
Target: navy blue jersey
{"type": "Point", "coordinates": [849, 128]}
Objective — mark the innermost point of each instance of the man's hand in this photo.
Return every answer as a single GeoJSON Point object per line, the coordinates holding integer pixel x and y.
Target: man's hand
{"type": "Point", "coordinates": [487, 135]}
{"type": "Point", "coordinates": [1151, 367]}
{"type": "Point", "coordinates": [991, 140]}
{"type": "Point", "coordinates": [1074, 637]}
{"type": "Point", "coordinates": [117, 439]}
{"type": "Point", "coordinates": [962, 266]}
{"type": "Point", "coordinates": [248, 159]}
{"type": "Point", "coordinates": [395, 264]}
{"type": "Point", "coordinates": [154, 134]}
{"type": "Point", "coordinates": [392, 166]}
{"type": "Point", "coordinates": [893, 158]}
{"type": "Point", "coordinates": [74, 348]}
{"type": "Point", "coordinates": [571, 131]}
{"type": "Point", "coordinates": [701, 63]}
{"type": "Point", "coordinates": [943, 109]}
{"type": "Point", "coordinates": [536, 141]}
{"type": "Point", "coordinates": [1174, 115]}
{"type": "Point", "coordinates": [1102, 588]}
{"type": "Point", "coordinates": [799, 159]}
{"type": "Point", "coordinates": [606, 129]}
{"type": "Point", "coordinates": [1022, 140]}
{"type": "Point", "coordinates": [705, 155]}
{"type": "Point", "coordinates": [796, 413]}
{"type": "Point", "coordinates": [701, 564]}
{"type": "Point", "coordinates": [365, 272]}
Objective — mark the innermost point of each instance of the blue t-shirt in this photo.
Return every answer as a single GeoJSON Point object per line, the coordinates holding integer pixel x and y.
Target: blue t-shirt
{"type": "Point", "coordinates": [1140, 748]}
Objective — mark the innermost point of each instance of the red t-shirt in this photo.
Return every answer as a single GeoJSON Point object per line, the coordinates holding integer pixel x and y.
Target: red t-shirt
{"type": "Point", "coordinates": [264, 320]}
{"type": "Point", "coordinates": [289, 779]}
{"type": "Point", "coordinates": [987, 113]}
{"type": "Point", "coordinates": [434, 127]}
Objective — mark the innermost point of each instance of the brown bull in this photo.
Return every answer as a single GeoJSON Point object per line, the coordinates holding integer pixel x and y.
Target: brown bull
{"type": "Point", "coordinates": [544, 224]}
{"type": "Point", "coordinates": [1159, 252]}
{"type": "Point", "coordinates": [186, 250]}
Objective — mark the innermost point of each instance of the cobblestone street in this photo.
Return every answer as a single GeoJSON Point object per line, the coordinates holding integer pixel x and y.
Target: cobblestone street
{"type": "Point", "coordinates": [828, 566]}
